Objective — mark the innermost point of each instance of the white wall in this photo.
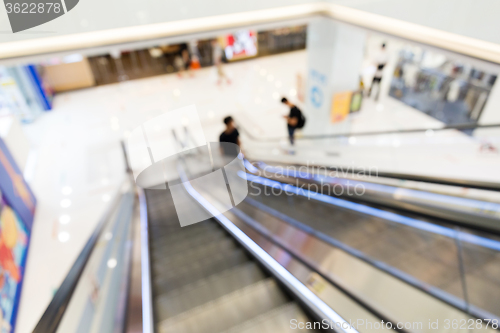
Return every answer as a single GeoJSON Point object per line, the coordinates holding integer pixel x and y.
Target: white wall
{"type": "Point", "coordinates": [92, 15]}
{"type": "Point", "coordinates": [478, 18]}
{"type": "Point", "coordinates": [491, 111]}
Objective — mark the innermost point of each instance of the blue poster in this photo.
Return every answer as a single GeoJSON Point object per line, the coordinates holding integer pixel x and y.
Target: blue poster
{"type": "Point", "coordinates": [15, 190]}
{"type": "Point", "coordinates": [14, 240]}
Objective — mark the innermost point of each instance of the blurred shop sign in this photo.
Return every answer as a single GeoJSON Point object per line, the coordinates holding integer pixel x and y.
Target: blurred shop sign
{"type": "Point", "coordinates": [341, 106]}
{"type": "Point", "coordinates": [318, 81]}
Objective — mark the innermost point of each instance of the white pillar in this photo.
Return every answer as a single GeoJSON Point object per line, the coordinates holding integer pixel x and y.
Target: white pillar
{"type": "Point", "coordinates": [335, 53]}
{"type": "Point", "coordinates": [491, 111]}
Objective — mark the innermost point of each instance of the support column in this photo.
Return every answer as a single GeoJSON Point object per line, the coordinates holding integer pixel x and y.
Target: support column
{"type": "Point", "coordinates": [491, 111]}
{"type": "Point", "coordinates": [335, 53]}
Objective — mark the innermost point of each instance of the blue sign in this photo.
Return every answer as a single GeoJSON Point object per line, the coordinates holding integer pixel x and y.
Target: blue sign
{"type": "Point", "coordinates": [15, 190]}
{"type": "Point", "coordinates": [318, 82]}
{"type": "Point", "coordinates": [318, 77]}
{"type": "Point", "coordinates": [316, 96]}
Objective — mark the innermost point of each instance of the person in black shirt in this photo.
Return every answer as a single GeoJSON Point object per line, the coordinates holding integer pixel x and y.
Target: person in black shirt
{"type": "Point", "coordinates": [231, 135]}
{"type": "Point", "coordinates": [293, 119]}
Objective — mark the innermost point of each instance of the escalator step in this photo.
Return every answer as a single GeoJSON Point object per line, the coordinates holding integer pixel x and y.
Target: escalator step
{"type": "Point", "coordinates": [206, 290]}
{"type": "Point", "coordinates": [160, 230]}
{"type": "Point", "coordinates": [177, 277]}
{"type": "Point", "coordinates": [199, 252]}
{"type": "Point", "coordinates": [173, 245]}
{"type": "Point", "coordinates": [275, 321]}
{"type": "Point", "coordinates": [227, 311]}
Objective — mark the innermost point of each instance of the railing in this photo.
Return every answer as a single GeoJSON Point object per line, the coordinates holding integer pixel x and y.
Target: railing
{"type": "Point", "coordinates": [395, 175]}
{"type": "Point", "coordinates": [97, 272]}
{"type": "Point", "coordinates": [457, 246]}
{"type": "Point", "coordinates": [399, 282]}
{"type": "Point", "coordinates": [147, 293]}
{"type": "Point", "coordinates": [459, 127]}
{"type": "Point", "coordinates": [94, 295]}
{"type": "Point", "coordinates": [154, 34]}
{"type": "Point", "coordinates": [473, 212]}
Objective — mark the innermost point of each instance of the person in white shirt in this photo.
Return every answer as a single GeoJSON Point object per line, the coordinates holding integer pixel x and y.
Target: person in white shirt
{"type": "Point", "coordinates": [380, 62]}
{"type": "Point", "coordinates": [217, 54]}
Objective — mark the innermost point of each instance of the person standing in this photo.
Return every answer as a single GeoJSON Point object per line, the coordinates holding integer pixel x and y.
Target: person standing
{"type": "Point", "coordinates": [217, 57]}
{"type": "Point", "coordinates": [230, 135]}
{"type": "Point", "coordinates": [380, 62]}
{"type": "Point", "coordinates": [183, 61]}
{"type": "Point", "coordinates": [295, 119]}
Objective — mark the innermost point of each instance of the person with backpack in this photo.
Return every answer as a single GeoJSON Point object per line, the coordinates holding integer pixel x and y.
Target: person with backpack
{"type": "Point", "coordinates": [295, 119]}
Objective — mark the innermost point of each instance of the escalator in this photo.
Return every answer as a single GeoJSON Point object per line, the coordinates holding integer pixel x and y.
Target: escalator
{"type": "Point", "coordinates": [282, 256]}
{"type": "Point", "coordinates": [454, 262]}
{"type": "Point", "coordinates": [203, 281]}
{"type": "Point", "coordinates": [445, 262]}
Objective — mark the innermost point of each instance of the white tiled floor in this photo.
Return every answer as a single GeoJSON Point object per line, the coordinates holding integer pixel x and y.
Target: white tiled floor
{"type": "Point", "coordinates": [78, 147]}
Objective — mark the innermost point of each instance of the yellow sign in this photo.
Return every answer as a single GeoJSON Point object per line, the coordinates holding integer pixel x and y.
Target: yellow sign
{"type": "Point", "coordinates": [341, 106]}
{"type": "Point", "coordinates": [316, 283]}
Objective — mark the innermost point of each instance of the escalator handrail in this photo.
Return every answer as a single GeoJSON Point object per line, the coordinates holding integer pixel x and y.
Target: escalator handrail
{"type": "Point", "coordinates": [146, 280]}
{"type": "Point", "coordinates": [374, 211]}
{"type": "Point", "coordinates": [477, 184]}
{"type": "Point", "coordinates": [428, 289]}
{"type": "Point", "coordinates": [459, 127]}
{"type": "Point", "coordinates": [54, 313]}
{"type": "Point", "coordinates": [472, 219]}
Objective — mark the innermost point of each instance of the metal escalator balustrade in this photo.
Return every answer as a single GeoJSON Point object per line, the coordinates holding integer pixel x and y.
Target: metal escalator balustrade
{"type": "Point", "coordinates": [322, 143]}
{"type": "Point", "coordinates": [454, 266]}
{"type": "Point", "coordinates": [481, 210]}
{"type": "Point", "coordinates": [493, 244]}
{"type": "Point", "coordinates": [396, 230]}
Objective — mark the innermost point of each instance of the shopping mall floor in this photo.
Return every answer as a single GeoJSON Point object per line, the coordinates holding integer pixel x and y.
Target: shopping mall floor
{"type": "Point", "coordinates": [79, 163]}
